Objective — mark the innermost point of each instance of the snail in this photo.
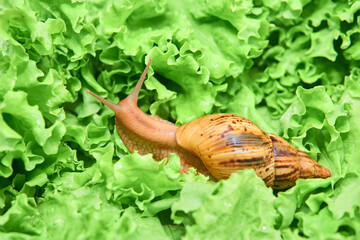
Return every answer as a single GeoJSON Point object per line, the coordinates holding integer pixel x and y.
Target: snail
{"type": "Point", "coordinates": [216, 145]}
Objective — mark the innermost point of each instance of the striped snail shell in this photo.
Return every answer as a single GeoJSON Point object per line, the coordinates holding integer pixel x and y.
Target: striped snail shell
{"type": "Point", "coordinates": [226, 143]}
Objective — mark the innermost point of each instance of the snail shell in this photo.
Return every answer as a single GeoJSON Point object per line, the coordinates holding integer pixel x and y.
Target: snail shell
{"type": "Point", "coordinates": [218, 144]}
{"type": "Point", "coordinates": [226, 143]}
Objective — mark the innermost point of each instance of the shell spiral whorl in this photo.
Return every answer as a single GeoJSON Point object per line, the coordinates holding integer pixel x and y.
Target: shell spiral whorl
{"type": "Point", "coordinates": [227, 143]}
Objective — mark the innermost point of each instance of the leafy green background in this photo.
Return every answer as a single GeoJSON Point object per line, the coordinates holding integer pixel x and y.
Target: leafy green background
{"type": "Point", "coordinates": [290, 66]}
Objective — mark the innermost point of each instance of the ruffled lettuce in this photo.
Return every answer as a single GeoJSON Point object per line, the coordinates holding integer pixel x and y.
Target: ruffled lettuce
{"type": "Point", "coordinates": [291, 67]}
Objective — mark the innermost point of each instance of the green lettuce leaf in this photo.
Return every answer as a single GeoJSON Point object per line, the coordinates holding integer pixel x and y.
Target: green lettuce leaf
{"type": "Point", "coordinates": [242, 199]}
{"type": "Point", "coordinates": [291, 67]}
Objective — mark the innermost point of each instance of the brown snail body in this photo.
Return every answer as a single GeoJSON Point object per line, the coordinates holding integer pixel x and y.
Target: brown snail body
{"type": "Point", "coordinates": [217, 144]}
